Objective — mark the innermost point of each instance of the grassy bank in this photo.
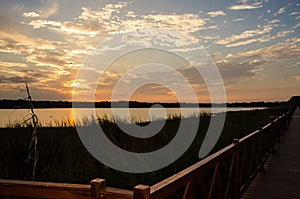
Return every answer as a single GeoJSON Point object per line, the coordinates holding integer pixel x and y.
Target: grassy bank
{"type": "Point", "coordinates": [63, 158]}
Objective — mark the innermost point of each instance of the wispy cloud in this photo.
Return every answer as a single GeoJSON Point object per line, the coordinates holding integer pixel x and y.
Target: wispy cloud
{"type": "Point", "coordinates": [113, 19]}
{"type": "Point", "coordinates": [24, 44]}
{"type": "Point", "coordinates": [51, 8]}
{"type": "Point", "coordinates": [246, 37]}
{"type": "Point", "coordinates": [13, 64]}
{"type": "Point", "coordinates": [274, 21]}
{"type": "Point", "coordinates": [296, 26]}
{"type": "Point", "coordinates": [280, 11]}
{"type": "Point", "coordinates": [284, 33]}
{"type": "Point", "coordinates": [295, 13]}
{"type": "Point", "coordinates": [48, 9]}
{"type": "Point", "coordinates": [49, 60]}
{"type": "Point", "coordinates": [246, 6]}
{"type": "Point", "coordinates": [251, 64]}
{"type": "Point", "coordinates": [217, 13]}
{"type": "Point", "coordinates": [278, 52]}
{"type": "Point", "coordinates": [239, 19]}
{"type": "Point", "coordinates": [30, 14]}
{"type": "Point", "coordinates": [183, 23]}
{"type": "Point", "coordinates": [67, 27]}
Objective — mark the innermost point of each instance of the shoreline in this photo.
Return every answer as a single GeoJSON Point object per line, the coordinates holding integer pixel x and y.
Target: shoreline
{"type": "Point", "coordinates": [22, 104]}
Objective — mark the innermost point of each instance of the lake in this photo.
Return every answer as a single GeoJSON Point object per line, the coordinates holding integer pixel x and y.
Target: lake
{"type": "Point", "coordinates": [52, 116]}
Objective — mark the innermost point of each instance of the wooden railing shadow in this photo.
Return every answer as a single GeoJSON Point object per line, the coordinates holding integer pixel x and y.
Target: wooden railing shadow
{"type": "Point", "coordinates": [224, 174]}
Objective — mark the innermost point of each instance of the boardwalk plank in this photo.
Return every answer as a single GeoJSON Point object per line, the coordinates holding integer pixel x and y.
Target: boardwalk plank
{"type": "Point", "coordinates": [282, 176]}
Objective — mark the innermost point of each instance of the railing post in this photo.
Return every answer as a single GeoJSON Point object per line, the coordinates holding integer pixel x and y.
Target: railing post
{"type": "Point", "coordinates": [141, 192]}
{"type": "Point", "coordinates": [190, 190]}
{"type": "Point", "coordinates": [262, 151]}
{"type": "Point", "coordinates": [96, 185]}
{"type": "Point", "coordinates": [236, 170]}
{"type": "Point", "coordinates": [274, 136]}
{"type": "Point", "coordinates": [215, 184]}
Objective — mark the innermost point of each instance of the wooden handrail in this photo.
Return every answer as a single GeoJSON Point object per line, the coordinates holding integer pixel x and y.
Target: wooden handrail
{"type": "Point", "coordinates": [239, 162]}
{"type": "Point", "coordinates": [60, 190]}
{"type": "Point", "coordinates": [239, 151]}
{"type": "Point", "coordinates": [43, 189]}
{"type": "Point", "coordinates": [166, 187]}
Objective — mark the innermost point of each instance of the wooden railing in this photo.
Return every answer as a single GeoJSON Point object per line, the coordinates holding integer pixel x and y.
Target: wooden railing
{"type": "Point", "coordinates": [224, 174]}
{"type": "Point", "coordinates": [228, 172]}
{"type": "Point", "coordinates": [95, 190]}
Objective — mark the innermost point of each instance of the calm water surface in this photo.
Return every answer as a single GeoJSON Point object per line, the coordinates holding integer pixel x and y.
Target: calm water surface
{"type": "Point", "coordinates": [53, 116]}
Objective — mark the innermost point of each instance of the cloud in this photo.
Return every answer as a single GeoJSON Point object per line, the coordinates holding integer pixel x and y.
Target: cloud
{"type": "Point", "coordinates": [13, 64]}
{"type": "Point", "coordinates": [157, 83]}
{"type": "Point", "coordinates": [113, 18]}
{"type": "Point", "coordinates": [19, 40]}
{"type": "Point", "coordinates": [278, 52]}
{"type": "Point", "coordinates": [239, 19]}
{"type": "Point", "coordinates": [14, 79]}
{"type": "Point", "coordinates": [245, 6]}
{"type": "Point", "coordinates": [80, 35]}
{"type": "Point", "coordinates": [52, 58]}
{"type": "Point", "coordinates": [297, 77]}
{"type": "Point", "coordinates": [30, 14]}
{"type": "Point", "coordinates": [68, 27]}
{"type": "Point", "coordinates": [296, 26]}
{"type": "Point", "coordinates": [234, 70]}
{"type": "Point", "coordinates": [246, 37]}
{"type": "Point", "coordinates": [11, 71]}
{"type": "Point", "coordinates": [295, 13]}
{"type": "Point", "coordinates": [249, 64]}
{"type": "Point", "coordinates": [36, 52]}
{"type": "Point", "coordinates": [89, 22]}
{"type": "Point", "coordinates": [242, 43]}
{"type": "Point", "coordinates": [260, 35]}
{"type": "Point", "coordinates": [12, 75]}
{"type": "Point", "coordinates": [45, 53]}
{"type": "Point", "coordinates": [45, 83]}
{"type": "Point", "coordinates": [280, 11]}
{"type": "Point", "coordinates": [42, 23]}
{"type": "Point", "coordinates": [274, 21]}
{"type": "Point", "coordinates": [243, 1]}
{"type": "Point", "coordinates": [284, 33]}
{"type": "Point", "coordinates": [283, 10]}
{"type": "Point", "coordinates": [182, 23]}
{"type": "Point", "coordinates": [217, 13]}
{"type": "Point", "coordinates": [46, 57]}
{"type": "Point", "coordinates": [51, 8]}
{"type": "Point", "coordinates": [104, 13]}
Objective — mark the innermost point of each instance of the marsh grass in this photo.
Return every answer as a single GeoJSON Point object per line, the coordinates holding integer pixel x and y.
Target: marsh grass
{"type": "Point", "coordinates": [63, 158]}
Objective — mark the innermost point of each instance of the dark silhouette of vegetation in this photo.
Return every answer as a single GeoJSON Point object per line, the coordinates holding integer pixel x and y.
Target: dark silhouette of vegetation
{"type": "Point", "coordinates": [63, 158]}
{"type": "Point", "coordinates": [295, 100]}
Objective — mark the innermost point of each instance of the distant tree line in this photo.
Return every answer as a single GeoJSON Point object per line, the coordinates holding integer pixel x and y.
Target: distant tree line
{"type": "Point", "coordinates": [22, 104]}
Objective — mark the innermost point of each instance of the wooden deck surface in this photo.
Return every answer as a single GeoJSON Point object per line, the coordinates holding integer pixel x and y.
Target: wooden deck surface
{"type": "Point", "coordinates": [282, 177]}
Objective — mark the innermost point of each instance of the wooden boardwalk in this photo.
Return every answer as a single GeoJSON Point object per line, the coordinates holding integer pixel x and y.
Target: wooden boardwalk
{"type": "Point", "coordinates": [281, 179]}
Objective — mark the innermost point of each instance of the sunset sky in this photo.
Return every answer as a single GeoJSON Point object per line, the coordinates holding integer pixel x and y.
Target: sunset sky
{"type": "Point", "coordinates": [254, 44]}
